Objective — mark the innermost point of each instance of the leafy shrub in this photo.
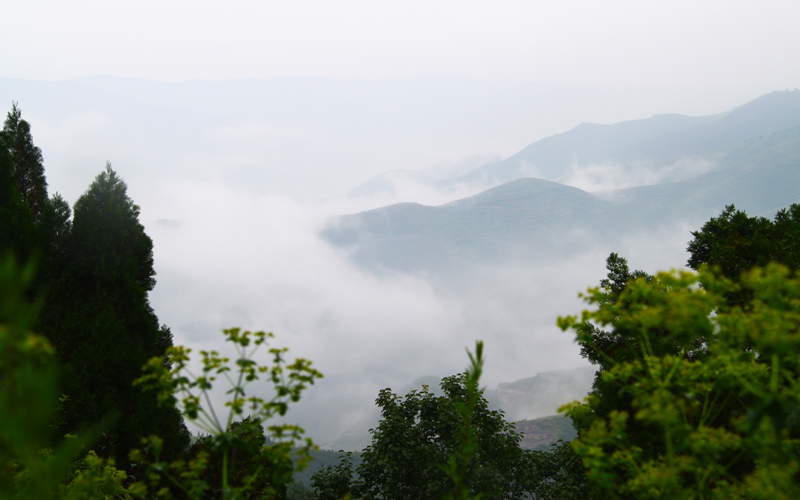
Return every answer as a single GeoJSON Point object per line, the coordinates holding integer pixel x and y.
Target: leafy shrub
{"type": "Point", "coordinates": [235, 459]}
{"type": "Point", "coordinates": [704, 399]}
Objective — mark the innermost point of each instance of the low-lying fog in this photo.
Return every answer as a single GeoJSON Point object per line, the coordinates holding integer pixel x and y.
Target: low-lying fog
{"type": "Point", "coordinates": [237, 236]}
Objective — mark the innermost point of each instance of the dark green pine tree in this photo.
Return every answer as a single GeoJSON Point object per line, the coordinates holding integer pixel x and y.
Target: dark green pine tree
{"type": "Point", "coordinates": [26, 162]}
{"type": "Point", "coordinates": [56, 227]}
{"type": "Point", "coordinates": [36, 227]}
{"type": "Point", "coordinates": [17, 231]}
{"type": "Point", "coordinates": [101, 321]}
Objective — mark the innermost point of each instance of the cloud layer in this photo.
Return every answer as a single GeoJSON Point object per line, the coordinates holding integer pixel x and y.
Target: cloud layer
{"type": "Point", "coordinates": [256, 261]}
{"type": "Point", "coordinates": [234, 195]}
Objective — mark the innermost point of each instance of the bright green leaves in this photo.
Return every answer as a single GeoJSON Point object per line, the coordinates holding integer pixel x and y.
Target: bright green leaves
{"type": "Point", "coordinates": [172, 377]}
{"type": "Point", "coordinates": [177, 380]}
{"type": "Point", "coordinates": [97, 478]}
{"type": "Point", "coordinates": [33, 463]}
{"type": "Point", "coordinates": [702, 399]}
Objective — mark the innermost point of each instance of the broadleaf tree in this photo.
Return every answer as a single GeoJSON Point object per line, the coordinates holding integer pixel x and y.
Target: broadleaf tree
{"type": "Point", "coordinates": [713, 415]}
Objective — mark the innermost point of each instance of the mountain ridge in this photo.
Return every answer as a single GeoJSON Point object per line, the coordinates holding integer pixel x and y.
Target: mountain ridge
{"type": "Point", "coordinates": [668, 136]}
{"type": "Point", "coordinates": [759, 172]}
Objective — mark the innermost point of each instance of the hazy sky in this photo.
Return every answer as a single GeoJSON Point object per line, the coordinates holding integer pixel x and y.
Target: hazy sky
{"type": "Point", "coordinates": [637, 42]}
{"type": "Point", "coordinates": [429, 81]}
{"type": "Point", "coordinates": [235, 178]}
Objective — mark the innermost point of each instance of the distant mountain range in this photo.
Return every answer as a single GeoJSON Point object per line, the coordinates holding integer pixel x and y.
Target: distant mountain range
{"type": "Point", "coordinates": [749, 156]}
{"type": "Point", "coordinates": [662, 143]}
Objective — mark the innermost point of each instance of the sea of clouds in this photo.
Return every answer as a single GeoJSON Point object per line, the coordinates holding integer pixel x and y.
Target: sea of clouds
{"type": "Point", "coordinates": [234, 193]}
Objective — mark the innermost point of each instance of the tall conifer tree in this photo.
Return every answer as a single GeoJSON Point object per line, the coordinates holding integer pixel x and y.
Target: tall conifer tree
{"type": "Point", "coordinates": [40, 225]}
{"type": "Point", "coordinates": [94, 274]}
{"type": "Point", "coordinates": [105, 328]}
{"type": "Point", "coordinates": [16, 225]}
{"type": "Point", "coordinates": [26, 162]}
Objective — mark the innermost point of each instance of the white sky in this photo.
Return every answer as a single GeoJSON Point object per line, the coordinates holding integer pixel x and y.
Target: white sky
{"type": "Point", "coordinates": [641, 42]}
{"type": "Point", "coordinates": [447, 79]}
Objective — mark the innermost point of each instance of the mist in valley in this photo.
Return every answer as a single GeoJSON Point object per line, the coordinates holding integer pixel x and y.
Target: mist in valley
{"type": "Point", "coordinates": [241, 169]}
{"type": "Point", "coordinates": [231, 249]}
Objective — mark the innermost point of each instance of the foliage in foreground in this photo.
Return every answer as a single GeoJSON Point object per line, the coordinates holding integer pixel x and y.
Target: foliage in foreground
{"type": "Point", "coordinates": [704, 400]}
{"type": "Point", "coordinates": [235, 459]}
{"type": "Point", "coordinates": [30, 465]}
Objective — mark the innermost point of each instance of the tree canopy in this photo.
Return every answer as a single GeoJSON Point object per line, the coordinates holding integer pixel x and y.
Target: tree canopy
{"type": "Point", "coordinates": [415, 436]}
{"type": "Point", "coordinates": [735, 242]}
{"type": "Point", "coordinates": [715, 414]}
{"type": "Point", "coordinates": [102, 323]}
{"type": "Point", "coordinates": [27, 165]}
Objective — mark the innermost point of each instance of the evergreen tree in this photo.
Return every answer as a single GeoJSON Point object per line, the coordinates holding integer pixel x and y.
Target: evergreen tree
{"type": "Point", "coordinates": [37, 227]}
{"type": "Point", "coordinates": [101, 322]}
{"type": "Point", "coordinates": [26, 162]}
{"type": "Point", "coordinates": [56, 228]}
{"type": "Point", "coordinates": [16, 224]}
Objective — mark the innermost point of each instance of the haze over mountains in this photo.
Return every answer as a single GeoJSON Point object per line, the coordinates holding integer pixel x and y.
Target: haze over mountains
{"type": "Point", "coordinates": [672, 169]}
{"type": "Point", "coordinates": [592, 189]}
{"type": "Point", "coordinates": [234, 193]}
{"type": "Point", "coordinates": [662, 148]}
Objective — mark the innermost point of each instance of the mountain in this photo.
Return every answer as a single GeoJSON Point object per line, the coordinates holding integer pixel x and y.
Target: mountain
{"type": "Point", "coordinates": [540, 433]}
{"type": "Point", "coordinates": [543, 393]}
{"type": "Point", "coordinates": [519, 214]}
{"type": "Point", "coordinates": [760, 176]}
{"type": "Point", "coordinates": [661, 148]}
{"type": "Point", "coordinates": [532, 218]}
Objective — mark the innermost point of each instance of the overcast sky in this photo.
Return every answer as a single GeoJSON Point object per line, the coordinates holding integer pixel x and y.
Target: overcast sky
{"type": "Point", "coordinates": [482, 78]}
{"type": "Point", "coordinates": [636, 42]}
{"type": "Point", "coordinates": [235, 179]}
